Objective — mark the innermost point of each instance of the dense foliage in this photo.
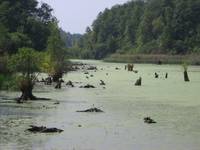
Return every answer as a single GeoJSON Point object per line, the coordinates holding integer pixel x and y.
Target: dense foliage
{"type": "Point", "coordinates": [24, 24]}
{"type": "Point", "coordinates": [25, 64]}
{"type": "Point", "coordinates": [30, 42]}
{"type": "Point", "coordinates": [152, 26]}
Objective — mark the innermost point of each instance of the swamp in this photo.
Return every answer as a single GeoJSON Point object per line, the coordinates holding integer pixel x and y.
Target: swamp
{"type": "Point", "coordinates": [172, 103]}
{"type": "Point", "coordinates": [100, 75]}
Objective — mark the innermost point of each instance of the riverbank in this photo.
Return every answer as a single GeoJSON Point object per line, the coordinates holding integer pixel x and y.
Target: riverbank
{"type": "Point", "coordinates": [154, 59]}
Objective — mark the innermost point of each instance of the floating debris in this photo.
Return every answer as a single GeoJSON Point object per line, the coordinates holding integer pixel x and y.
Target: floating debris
{"type": "Point", "coordinates": [56, 103]}
{"type": "Point", "coordinates": [149, 120]}
{"type": "Point", "coordinates": [43, 129]}
{"type": "Point", "coordinates": [102, 82]}
{"type": "Point", "coordinates": [88, 86]}
{"type": "Point", "coordinates": [69, 83]}
{"type": "Point", "coordinates": [92, 68]}
{"type": "Point", "coordinates": [94, 109]}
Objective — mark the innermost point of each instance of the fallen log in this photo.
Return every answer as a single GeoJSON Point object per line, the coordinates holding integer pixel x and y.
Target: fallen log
{"type": "Point", "coordinates": [94, 109]}
{"type": "Point", "coordinates": [148, 120]}
{"type": "Point", "coordinates": [88, 86]}
{"type": "Point", "coordinates": [43, 129]}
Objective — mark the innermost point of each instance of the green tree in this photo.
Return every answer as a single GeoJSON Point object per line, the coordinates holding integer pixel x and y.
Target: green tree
{"type": "Point", "coordinates": [24, 24]}
{"type": "Point", "coordinates": [56, 52]}
{"type": "Point", "coordinates": [25, 64]}
{"type": "Point", "coordinates": [153, 26]}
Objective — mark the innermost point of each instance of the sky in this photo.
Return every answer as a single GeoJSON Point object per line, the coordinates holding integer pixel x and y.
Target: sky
{"type": "Point", "coordinates": [75, 15]}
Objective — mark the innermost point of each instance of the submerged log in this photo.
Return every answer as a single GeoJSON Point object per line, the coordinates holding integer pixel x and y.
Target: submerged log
{"type": "Point", "coordinates": [56, 103]}
{"type": "Point", "coordinates": [94, 109]}
{"type": "Point", "coordinates": [149, 120]}
{"type": "Point", "coordinates": [102, 82]}
{"type": "Point", "coordinates": [156, 75]}
{"type": "Point", "coordinates": [88, 86]}
{"type": "Point", "coordinates": [42, 129]}
{"type": "Point", "coordinates": [69, 83]}
{"type": "Point", "coordinates": [92, 68]}
{"type": "Point", "coordinates": [138, 82]}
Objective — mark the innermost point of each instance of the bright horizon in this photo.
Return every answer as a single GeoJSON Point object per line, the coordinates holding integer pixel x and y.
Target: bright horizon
{"type": "Point", "coordinates": [74, 16]}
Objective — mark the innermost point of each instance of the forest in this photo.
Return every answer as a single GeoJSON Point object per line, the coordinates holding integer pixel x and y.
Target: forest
{"type": "Point", "coordinates": [144, 27]}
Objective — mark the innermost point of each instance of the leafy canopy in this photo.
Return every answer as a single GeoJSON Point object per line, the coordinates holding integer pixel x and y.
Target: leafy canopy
{"type": "Point", "coordinates": [26, 61]}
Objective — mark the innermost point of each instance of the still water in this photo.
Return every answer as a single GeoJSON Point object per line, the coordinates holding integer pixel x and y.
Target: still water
{"type": "Point", "coordinates": [173, 103]}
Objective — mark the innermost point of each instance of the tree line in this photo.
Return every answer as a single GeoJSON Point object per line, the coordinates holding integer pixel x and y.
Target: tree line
{"type": "Point", "coordinates": [148, 27]}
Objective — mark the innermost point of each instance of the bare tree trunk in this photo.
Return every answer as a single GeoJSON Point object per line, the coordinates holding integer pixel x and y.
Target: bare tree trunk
{"type": "Point", "coordinates": [26, 87]}
{"type": "Point", "coordinates": [57, 76]}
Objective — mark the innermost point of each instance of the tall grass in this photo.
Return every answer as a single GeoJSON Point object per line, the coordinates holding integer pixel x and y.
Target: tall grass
{"type": "Point", "coordinates": [143, 58]}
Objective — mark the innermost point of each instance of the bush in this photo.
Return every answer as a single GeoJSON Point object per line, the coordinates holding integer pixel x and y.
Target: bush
{"type": "Point", "coordinates": [8, 82]}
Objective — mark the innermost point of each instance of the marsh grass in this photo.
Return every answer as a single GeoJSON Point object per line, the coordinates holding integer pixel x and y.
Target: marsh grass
{"type": "Point", "coordinates": [143, 58]}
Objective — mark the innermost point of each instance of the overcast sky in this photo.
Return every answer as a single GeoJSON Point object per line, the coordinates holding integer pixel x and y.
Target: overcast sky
{"type": "Point", "coordinates": [75, 15]}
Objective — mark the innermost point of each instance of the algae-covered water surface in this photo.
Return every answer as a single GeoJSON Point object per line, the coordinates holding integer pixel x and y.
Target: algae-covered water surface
{"type": "Point", "coordinates": [172, 103]}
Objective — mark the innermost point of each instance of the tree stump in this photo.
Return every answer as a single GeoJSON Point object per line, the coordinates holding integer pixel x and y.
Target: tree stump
{"type": "Point", "coordinates": [186, 77]}
{"type": "Point", "coordinates": [58, 86]}
{"type": "Point", "coordinates": [166, 75]}
{"type": "Point", "coordinates": [156, 75]}
{"type": "Point", "coordinates": [138, 82]}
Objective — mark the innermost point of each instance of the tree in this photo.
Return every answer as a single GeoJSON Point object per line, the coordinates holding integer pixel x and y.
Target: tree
{"type": "Point", "coordinates": [56, 53]}
{"type": "Point", "coordinates": [25, 64]}
{"type": "Point", "coordinates": [24, 24]}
